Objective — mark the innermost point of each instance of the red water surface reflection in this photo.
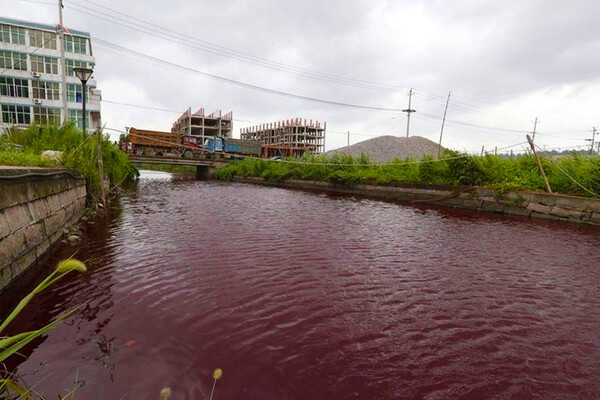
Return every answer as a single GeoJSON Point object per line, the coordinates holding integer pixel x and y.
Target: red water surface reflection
{"type": "Point", "coordinates": [300, 295]}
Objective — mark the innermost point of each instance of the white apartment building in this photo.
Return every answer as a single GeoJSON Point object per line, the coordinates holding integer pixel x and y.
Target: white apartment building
{"type": "Point", "coordinates": [30, 75]}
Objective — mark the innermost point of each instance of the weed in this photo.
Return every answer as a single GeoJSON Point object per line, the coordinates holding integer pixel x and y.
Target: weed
{"type": "Point", "coordinates": [500, 174]}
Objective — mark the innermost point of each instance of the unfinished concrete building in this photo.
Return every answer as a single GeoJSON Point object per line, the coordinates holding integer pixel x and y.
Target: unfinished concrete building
{"type": "Point", "coordinates": [292, 137]}
{"type": "Point", "coordinates": [204, 126]}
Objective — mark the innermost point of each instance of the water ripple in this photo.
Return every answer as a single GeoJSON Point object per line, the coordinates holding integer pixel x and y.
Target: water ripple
{"type": "Point", "coordinates": [300, 295]}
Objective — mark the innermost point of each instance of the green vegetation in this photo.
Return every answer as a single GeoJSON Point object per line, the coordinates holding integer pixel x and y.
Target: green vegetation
{"type": "Point", "coordinates": [76, 155]}
{"type": "Point", "coordinates": [455, 169]}
{"type": "Point", "coordinates": [167, 167]}
{"type": "Point", "coordinates": [10, 345]}
{"type": "Point", "coordinates": [19, 158]}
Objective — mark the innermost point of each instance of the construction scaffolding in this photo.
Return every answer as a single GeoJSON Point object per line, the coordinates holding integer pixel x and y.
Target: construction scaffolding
{"type": "Point", "coordinates": [292, 137]}
{"type": "Point", "coordinates": [204, 126]}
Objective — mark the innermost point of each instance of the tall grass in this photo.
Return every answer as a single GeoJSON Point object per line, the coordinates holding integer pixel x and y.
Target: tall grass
{"type": "Point", "coordinates": [10, 345]}
{"type": "Point", "coordinates": [68, 139]}
{"type": "Point", "coordinates": [500, 174]}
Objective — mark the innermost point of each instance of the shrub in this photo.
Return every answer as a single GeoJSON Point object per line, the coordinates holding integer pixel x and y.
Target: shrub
{"type": "Point", "coordinates": [67, 138]}
{"type": "Point", "coordinates": [500, 174]}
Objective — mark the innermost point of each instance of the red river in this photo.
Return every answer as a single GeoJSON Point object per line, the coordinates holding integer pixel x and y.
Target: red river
{"type": "Point", "coordinates": [301, 295]}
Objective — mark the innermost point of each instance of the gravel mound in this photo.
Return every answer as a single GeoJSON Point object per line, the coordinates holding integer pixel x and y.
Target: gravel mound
{"type": "Point", "coordinates": [384, 149]}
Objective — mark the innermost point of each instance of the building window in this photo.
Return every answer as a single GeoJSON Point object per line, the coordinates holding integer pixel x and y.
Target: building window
{"type": "Point", "coordinates": [16, 114]}
{"type": "Point", "coordinates": [12, 34]}
{"type": "Point", "coordinates": [14, 87]}
{"type": "Point", "coordinates": [5, 33]}
{"type": "Point", "coordinates": [45, 90]}
{"type": "Point", "coordinates": [74, 63]}
{"type": "Point", "coordinates": [42, 64]}
{"type": "Point", "coordinates": [75, 44]}
{"type": "Point", "coordinates": [43, 39]}
{"type": "Point", "coordinates": [76, 116]}
{"type": "Point", "coordinates": [12, 60]}
{"type": "Point", "coordinates": [74, 91]}
{"type": "Point", "coordinates": [46, 116]}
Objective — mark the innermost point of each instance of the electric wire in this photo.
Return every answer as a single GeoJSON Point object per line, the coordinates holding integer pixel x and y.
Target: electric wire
{"type": "Point", "coordinates": [292, 95]}
{"type": "Point", "coordinates": [30, 53]}
{"type": "Point", "coordinates": [395, 110]}
{"type": "Point", "coordinates": [431, 97]}
{"type": "Point", "coordinates": [205, 46]}
{"type": "Point", "coordinates": [567, 174]}
{"type": "Point", "coordinates": [339, 103]}
{"type": "Point", "coordinates": [240, 83]}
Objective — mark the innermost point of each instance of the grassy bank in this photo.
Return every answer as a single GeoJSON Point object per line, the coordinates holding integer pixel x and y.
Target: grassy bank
{"type": "Point", "coordinates": [76, 155]}
{"type": "Point", "coordinates": [167, 167]}
{"type": "Point", "coordinates": [455, 169]}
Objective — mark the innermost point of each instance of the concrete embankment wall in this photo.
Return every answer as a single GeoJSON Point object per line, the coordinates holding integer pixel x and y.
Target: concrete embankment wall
{"type": "Point", "coordinates": [528, 204]}
{"type": "Point", "coordinates": [36, 205]}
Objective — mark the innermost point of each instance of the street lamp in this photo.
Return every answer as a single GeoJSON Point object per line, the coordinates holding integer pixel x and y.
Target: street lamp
{"type": "Point", "coordinates": [84, 74]}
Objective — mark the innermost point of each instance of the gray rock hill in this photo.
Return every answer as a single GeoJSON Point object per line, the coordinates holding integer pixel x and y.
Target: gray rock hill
{"type": "Point", "coordinates": [384, 149]}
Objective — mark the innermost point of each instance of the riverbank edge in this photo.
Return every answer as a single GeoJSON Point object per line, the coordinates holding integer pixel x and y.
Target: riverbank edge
{"type": "Point", "coordinates": [528, 204]}
{"type": "Point", "coordinates": [36, 206]}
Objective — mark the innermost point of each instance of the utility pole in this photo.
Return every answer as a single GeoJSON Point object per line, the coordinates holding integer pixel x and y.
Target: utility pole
{"type": "Point", "coordinates": [408, 111]}
{"type": "Point", "coordinates": [539, 163]}
{"type": "Point", "coordinates": [348, 138]}
{"type": "Point", "coordinates": [495, 150]}
{"type": "Point", "coordinates": [63, 66]}
{"type": "Point", "coordinates": [534, 128]}
{"type": "Point", "coordinates": [593, 139]}
{"type": "Point", "coordinates": [99, 134]}
{"type": "Point", "coordinates": [482, 150]}
{"type": "Point", "coordinates": [442, 130]}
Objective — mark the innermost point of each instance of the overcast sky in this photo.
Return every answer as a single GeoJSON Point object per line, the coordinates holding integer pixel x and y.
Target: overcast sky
{"type": "Point", "coordinates": [506, 62]}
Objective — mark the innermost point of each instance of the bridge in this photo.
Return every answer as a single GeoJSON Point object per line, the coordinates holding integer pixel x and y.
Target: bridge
{"type": "Point", "coordinates": [204, 166]}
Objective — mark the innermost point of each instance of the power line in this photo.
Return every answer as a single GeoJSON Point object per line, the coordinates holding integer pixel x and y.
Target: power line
{"type": "Point", "coordinates": [234, 53]}
{"type": "Point", "coordinates": [514, 131]}
{"type": "Point", "coordinates": [240, 83]}
{"type": "Point", "coordinates": [237, 120]}
{"type": "Point", "coordinates": [254, 122]}
{"type": "Point", "coordinates": [212, 48]}
{"type": "Point", "coordinates": [569, 176]}
{"type": "Point", "coordinates": [162, 109]}
{"type": "Point", "coordinates": [228, 52]}
{"type": "Point", "coordinates": [372, 108]}
{"type": "Point", "coordinates": [168, 63]}
{"type": "Point", "coordinates": [481, 109]}
{"type": "Point", "coordinates": [539, 87]}
{"type": "Point", "coordinates": [272, 91]}
{"type": "Point", "coordinates": [28, 54]}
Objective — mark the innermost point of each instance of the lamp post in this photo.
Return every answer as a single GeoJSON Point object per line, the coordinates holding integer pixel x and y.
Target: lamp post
{"type": "Point", "coordinates": [84, 74]}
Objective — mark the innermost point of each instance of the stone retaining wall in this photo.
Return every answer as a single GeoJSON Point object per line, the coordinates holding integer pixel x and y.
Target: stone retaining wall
{"type": "Point", "coordinates": [36, 205]}
{"type": "Point", "coordinates": [528, 204]}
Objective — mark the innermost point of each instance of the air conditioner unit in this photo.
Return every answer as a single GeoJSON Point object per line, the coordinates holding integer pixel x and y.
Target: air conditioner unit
{"type": "Point", "coordinates": [35, 74]}
{"type": "Point", "coordinates": [37, 101]}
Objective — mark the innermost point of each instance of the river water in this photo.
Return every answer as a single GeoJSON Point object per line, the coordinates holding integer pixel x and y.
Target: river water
{"type": "Point", "coordinates": [300, 295]}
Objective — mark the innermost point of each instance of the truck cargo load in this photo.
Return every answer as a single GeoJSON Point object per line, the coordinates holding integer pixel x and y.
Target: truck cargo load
{"type": "Point", "coordinates": [141, 137]}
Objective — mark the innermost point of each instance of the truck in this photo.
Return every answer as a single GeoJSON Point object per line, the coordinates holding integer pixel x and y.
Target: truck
{"type": "Point", "coordinates": [220, 146]}
{"type": "Point", "coordinates": [155, 143]}
{"type": "Point", "coordinates": [167, 144]}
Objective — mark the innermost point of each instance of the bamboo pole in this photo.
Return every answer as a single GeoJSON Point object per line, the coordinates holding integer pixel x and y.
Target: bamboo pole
{"type": "Point", "coordinates": [100, 164]}
{"type": "Point", "coordinates": [539, 163]}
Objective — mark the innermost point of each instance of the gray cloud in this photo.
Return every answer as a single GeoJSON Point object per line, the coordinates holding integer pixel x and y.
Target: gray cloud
{"type": "Point", "coordinates": [474, 48]}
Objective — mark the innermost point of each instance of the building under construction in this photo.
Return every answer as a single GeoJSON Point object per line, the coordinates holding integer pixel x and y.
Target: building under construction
{"type": "Point", "coordinates": [292, 137]}
{"type": "Point", "coordinates": [204, 126]}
